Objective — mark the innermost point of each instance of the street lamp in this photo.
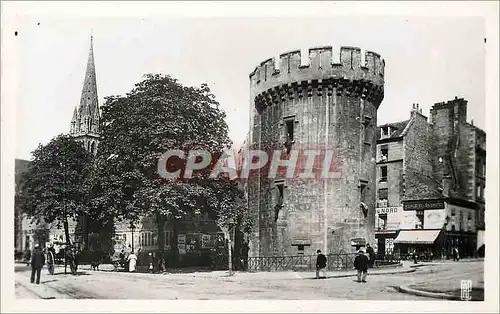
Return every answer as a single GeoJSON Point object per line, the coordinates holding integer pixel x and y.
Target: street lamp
{"type": "Point", "coordinates": [132, 229]}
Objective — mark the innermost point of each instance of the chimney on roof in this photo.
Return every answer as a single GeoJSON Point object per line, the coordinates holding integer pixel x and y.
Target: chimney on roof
{"type": "Point", "coordinates": [472, 122]}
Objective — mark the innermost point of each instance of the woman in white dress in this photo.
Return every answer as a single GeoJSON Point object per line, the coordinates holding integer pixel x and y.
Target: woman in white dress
{"type": "Point", "coordinates": [132, 259]}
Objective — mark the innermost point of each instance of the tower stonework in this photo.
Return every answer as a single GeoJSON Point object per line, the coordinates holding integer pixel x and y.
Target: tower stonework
{"type": "Point", "coordinates": [330, 103]}
{"type": "Point", "coordinates": [85, 122]}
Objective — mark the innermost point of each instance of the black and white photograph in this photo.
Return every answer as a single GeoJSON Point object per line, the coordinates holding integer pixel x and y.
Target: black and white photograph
{"type": "Point", "coordinates": [320, 154]}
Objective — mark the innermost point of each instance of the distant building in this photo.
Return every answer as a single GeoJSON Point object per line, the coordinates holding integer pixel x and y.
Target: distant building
{"type": "Point", "coordinates": [22, 240]}
{"type": "Point", "coordinates": [85, 129]}
{"type": "Point", "coordinates": [430, 183]}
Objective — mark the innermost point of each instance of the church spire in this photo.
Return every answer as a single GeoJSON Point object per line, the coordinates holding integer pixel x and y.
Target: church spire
{"type": "Point", "coordinates": [88, 109]}
{"type": "Point", "coordinates": [89, 92]}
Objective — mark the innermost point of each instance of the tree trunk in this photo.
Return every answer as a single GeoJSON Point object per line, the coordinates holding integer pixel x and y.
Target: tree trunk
{"type": "Point", "coordinates": [66, 230]}
{"type": "Point", "coordinates": [231, 245]}
{"type": "Point", "coordinates": [175, 251]}
{"type": "Point", "coordinates": [160, 256]}
{"type": "Point", "coordinates": [160, 223]}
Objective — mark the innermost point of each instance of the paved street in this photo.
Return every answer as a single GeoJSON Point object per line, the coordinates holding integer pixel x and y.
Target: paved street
{"type": "Point", "coordinates": [217, 285]}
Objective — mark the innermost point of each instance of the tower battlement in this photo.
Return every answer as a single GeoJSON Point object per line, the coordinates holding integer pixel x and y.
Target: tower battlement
{"type": "Point", "coordinates": [353, 71]}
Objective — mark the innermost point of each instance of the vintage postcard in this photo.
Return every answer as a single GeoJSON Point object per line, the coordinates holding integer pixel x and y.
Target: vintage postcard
{"type": "Point", "coordinates": [249, 156]}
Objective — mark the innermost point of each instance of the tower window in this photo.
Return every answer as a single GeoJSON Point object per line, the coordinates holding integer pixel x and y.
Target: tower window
{"type": "Point", "coordinates": [362, 186]}
{"type": "Point", "coordinates": [289, 128]}
{"type": "Point", "coordinates": [367, 130]}
{"type": "Point", "coordinates": [278, 197]}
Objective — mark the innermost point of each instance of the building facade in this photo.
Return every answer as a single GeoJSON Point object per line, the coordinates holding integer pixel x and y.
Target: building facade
{"type": "Point", "coordinates": [430, 183]}
{"type": "Point", "coordinates": [329, 103]}
{"type": "Point", "coordinates": [85, 129]}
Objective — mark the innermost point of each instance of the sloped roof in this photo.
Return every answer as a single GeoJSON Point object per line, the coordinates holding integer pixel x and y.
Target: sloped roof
{"type": "Point", "coordinates": [396, 128]}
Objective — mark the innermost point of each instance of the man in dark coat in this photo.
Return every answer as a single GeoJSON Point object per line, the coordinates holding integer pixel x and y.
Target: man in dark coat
{"type": "Point", "coordinates": [37, 262]}
{"type": "Point", "coordinates": [361, 265]}
{"type": "Point", "coordinates": [371, 255]}
{"type": "Point", "coordinates": [320, 265]}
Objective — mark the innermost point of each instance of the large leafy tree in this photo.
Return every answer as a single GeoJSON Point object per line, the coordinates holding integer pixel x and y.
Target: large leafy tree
{"type": "Point", "coordinates": [158, 115]}
{"type": "Point", "coordinates": [53, 187]}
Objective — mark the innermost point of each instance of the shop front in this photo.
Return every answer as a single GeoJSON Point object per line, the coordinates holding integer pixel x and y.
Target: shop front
{"type": "Point", "coordinates": [387, 224]}
{"type": "Point", "coordinates": [425, 243]}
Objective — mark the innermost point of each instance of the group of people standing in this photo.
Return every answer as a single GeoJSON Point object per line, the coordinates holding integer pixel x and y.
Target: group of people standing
{"type": "Point", "coordinates": [155, 262]}
{"type": "Point", "coordinates": [362, 262]}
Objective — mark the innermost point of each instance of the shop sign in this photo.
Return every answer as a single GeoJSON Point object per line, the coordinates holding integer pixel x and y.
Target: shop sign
{"type": "Point", "coordinates": [387, 210]}
{"type": "Point", "coordinates": [297, 242]}
{"type": "Point", "coordinates": [181, 239]}
{"type": "Point", "coordinates": [206, 241]}
{"type": "Point", "coordinates": [358, 242]}
{"type": "Point", "coordinates": [423, 204]}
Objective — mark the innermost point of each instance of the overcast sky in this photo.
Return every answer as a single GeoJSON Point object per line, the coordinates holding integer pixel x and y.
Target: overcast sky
{"type": "Point", "coordinates": [428, 60]}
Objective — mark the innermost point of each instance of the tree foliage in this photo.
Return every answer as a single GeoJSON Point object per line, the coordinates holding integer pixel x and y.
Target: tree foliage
{"type": "Point", "coordinates": [53, 186]}
{"type": "Point", "coordinates": [159, 114]}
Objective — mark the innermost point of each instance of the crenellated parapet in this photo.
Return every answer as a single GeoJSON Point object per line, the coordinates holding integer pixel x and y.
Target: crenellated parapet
{"type": "Point", "coordinates": [353, 72]}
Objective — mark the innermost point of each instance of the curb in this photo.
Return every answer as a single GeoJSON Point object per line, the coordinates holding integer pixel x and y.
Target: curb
{"type": "Point", "coordinates": [375, 274]}
{"type": "Point", "coordinates": [435, 295]}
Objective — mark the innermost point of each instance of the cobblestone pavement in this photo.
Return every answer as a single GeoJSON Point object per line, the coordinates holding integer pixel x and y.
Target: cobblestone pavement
{"type": "Point", "coordinates": [217, 285]}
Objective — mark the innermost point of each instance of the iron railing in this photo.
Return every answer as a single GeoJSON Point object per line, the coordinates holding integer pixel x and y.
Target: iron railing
{"type": "Point", "coordinates": [340, 261]}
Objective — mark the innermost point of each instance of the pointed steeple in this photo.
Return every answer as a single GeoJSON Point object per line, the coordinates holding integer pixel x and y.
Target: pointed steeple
{"type": "Point", "coordinates": [89, 105]}
{"type": "Point", "coordinates": [89, 92]}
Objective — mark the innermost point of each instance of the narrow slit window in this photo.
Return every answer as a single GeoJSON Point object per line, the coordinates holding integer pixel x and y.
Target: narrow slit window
{"type": "Point", "coordinates": [289, 125]}
{"type": "Point", "coordinates": [367, 130]}
{"type": "Point", "coordinates": [278, 197]}
{"type": "Point", "coordinates": [363, 191]}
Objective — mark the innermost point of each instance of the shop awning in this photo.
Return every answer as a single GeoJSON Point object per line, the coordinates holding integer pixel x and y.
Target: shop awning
{"type": "Point", "coordinates": [417, 236]}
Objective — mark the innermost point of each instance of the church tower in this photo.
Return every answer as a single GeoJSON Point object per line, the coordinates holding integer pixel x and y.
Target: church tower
{"type": "Point", "coordinates": [85, 121]}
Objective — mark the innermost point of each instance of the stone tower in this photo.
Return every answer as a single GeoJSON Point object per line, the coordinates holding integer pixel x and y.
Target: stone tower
{"type": "Point", "coordinates": [329, 103]}
{"type": "Point", "coordinates": [85, 122]}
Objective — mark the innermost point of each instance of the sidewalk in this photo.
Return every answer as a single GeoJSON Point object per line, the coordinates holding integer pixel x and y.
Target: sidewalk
{"type": "Point", "coordinates": [404, 267]}
{"type": "Point", "coordinates": [42, 291]}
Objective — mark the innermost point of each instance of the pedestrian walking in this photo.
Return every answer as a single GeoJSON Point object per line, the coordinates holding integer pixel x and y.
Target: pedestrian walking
{"type": "Point", "coordinates": [132, 261]}
{"type": "Point", "coordinates": [456, 255]}
{"type": "Point", "coordinates": [37, 262]}
{"type": "Point", "coordinates": [320, 265]}
{"type": "Point", "coordinates": [361, 265]}
{"type": "Point", "coordinates": [371, 255]}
